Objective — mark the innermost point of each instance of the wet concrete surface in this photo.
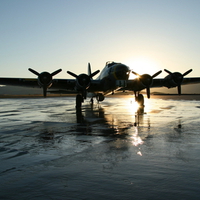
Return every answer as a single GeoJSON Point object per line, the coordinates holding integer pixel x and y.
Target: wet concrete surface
{"type": "Point", "coordinates": [106, 151]}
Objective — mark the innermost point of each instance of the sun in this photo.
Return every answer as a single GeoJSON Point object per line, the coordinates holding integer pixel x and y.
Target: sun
{"type": "Point", "coordinates": [142, 65]}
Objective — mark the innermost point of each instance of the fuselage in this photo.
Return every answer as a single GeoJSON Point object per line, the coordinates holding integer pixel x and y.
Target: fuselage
{"type": "Point", "coordinates": [109, 76]}
{"type": "Point", "coordinates": [115, 71]}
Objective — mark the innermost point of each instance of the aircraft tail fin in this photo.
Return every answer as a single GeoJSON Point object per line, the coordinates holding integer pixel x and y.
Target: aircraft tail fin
{"type": "Point", "coordinates": [90, 74]}
{"type": "Point", "coordinates": [89, 69]}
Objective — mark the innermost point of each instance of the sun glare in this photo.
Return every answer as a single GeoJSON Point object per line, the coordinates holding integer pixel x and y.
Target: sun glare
{"type": "Point", "coordinates": [142, 65]}
{"type": "Point", "coordinates": [133, 106]}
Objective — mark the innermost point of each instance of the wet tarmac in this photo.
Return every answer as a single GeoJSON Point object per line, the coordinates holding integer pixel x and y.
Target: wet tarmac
{"type": "Point", "coordinates": [108, 151]}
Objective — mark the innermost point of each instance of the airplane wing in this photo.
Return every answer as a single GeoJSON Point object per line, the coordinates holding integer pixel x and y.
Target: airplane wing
{"type": "Point", "coordinates": [19, 82]}
{"type": "Point", "coordinates": [67, 86]}
{"type": "Point", "coordinates": [81, 84]}
{"type": "Point", "coordinates": [147, 82]}
{"type": "Point", "coordinates": [186, 81]}
{"type": "Point", "coordinates": [137, 85]}
{"type": "Point", "coordinates": [33, 83]}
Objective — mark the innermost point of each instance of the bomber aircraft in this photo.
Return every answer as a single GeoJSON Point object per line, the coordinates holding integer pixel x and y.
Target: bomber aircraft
{"type": "Point", "coordinates": [114, 77]}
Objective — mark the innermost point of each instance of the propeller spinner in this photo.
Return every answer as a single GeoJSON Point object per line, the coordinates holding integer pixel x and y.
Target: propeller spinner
{"type": "Point", "coordinates": [45, 79]}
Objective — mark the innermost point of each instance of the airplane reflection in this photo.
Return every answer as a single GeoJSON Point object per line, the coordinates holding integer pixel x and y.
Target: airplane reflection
{"type": "Point", "coordinates": [95, 118]}
{"type": "Point", "coordinates": [110, 125]}
{"type": "Point", "coordinates": [99, 112]}
{"type": "Point", "coordinates": [130, 129]}
{"type": "Point", "coordinates": [90, 115]}
{"type": "Point", "coordinates": [136, 140]}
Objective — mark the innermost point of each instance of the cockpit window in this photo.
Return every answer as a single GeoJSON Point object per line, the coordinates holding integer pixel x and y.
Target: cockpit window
{"type": "Point", "coordinates": [109, 63]}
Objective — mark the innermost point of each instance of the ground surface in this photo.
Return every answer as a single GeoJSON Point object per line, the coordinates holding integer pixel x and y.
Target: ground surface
{"type": "Point", "coordinates": [50, 151]}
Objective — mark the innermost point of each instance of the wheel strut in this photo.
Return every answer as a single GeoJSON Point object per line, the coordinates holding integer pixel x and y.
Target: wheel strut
{"type": "Point", "coordinates": [79, 100]}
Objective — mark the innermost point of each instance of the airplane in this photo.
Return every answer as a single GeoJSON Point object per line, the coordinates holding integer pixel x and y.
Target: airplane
{"type": "Point", "coordinates": [113, 78]}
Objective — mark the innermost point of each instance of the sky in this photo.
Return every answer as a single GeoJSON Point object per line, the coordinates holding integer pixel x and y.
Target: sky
{"type": "Point", "coordinates": [147, 35]}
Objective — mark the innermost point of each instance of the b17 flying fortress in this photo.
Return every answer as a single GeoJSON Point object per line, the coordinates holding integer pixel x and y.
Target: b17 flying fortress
{"type": "Point", "coordinates": [114, 77]}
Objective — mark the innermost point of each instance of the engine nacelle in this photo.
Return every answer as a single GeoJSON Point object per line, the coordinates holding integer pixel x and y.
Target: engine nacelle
{"type": "Point", "coordinates": [45, 79]}
{"type": "Point", "coordinates": [173, 80]}
{"type": "Point", "coordinates": [146, 80]}
{"type": "Point", "coordinates": [82, 82]}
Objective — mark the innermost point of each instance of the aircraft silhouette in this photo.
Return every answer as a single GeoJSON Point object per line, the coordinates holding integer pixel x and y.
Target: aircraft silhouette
{"type": "Point", "coordinates": [114, 77]}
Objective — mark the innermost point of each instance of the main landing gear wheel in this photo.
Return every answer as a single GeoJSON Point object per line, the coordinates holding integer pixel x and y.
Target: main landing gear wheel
{"type": "Point", "coordinates": [79, 100]}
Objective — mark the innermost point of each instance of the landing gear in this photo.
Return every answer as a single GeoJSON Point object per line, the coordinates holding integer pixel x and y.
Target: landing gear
{"type": "Point", "coordinates": [79, 100]}
{"type": "Point", "coordinates": [140, 100]}
{"type": "Point", "coordinates": [92, 101]}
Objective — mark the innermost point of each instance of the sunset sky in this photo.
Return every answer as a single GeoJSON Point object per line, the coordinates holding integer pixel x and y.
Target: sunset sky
{"type": "Point", "coordinates": [147, 35]}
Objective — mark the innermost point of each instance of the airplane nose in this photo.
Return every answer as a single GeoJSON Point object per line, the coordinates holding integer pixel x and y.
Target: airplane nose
{"type": "Point", "coordinates": [122, 72]}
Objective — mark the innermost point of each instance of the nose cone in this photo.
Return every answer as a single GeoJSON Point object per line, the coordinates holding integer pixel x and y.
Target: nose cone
{"type": "Point", "coordinates": [122, 72]}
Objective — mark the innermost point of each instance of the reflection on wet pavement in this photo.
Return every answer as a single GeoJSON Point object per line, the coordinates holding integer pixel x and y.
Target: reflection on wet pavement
{"type": "Point", "coordinates": [54, 149]}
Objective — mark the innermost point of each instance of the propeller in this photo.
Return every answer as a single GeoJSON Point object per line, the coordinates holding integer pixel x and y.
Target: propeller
{"type": "Point", "coordinates": [90, 75]}
{"type": "Point", "coordinates": [147, 80]}
{"type": "Point", "coordinates": [83, 80]}
{"type": "Point", "coordinates": [45, 79]}
{"type": "Point", "coordinates": [177, 78]}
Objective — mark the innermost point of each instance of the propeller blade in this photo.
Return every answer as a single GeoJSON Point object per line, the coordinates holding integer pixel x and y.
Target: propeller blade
{"type": "Point", "coordinates": [135, 73]}
{"type": "Point", "coordinates": [56, 72]}
{"type": "Point", "coordinates": [94, 73]}
{"type": "Point", "coordinates": [156, 74]}
{"type": "Point", "coordinates": [186, 73]}
{"type": "Point", "coordinates": [33, 71]}
{"type": "Point", "coordinates": [148, 92]}
{"type": "Point", "coordinates": [168, 71]}
{"type": "Point", "coordinates": [179, 89]}
{"type": "Point", "coordinates": [72, 74]}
